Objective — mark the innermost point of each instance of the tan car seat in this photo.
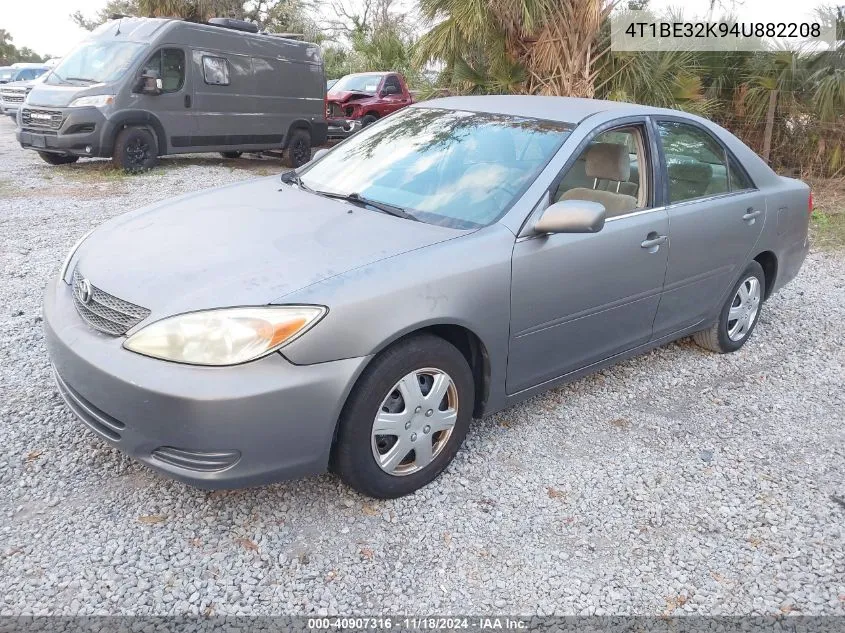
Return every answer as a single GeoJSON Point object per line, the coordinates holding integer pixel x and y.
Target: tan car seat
{"type": "Point", "coordinates": [606, 161]}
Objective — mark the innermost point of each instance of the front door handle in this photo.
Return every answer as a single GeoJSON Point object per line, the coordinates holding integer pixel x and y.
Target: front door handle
{"type": "Point", "coordinates": [750, 214]}
{"type": "Point", "coordinates": [653, 242]}
{"type": "Point", "coordinates": [187, 101]}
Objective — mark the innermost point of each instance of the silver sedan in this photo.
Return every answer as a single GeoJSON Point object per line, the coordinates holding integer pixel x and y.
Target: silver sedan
{"type": "Point", "coordinates": [445, 263]}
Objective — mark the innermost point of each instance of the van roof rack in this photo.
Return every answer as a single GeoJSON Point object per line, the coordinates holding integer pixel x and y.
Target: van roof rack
{"type": "Point", "coordinates": [287, 36]}
{"type": "Point", "coordinates": [237, 25]}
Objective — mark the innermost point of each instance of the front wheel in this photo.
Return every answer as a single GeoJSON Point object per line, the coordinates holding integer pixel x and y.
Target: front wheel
{"type": "Point", "coordinates": [405, 419]}
{"type": "Point", "coordinates": [739, 315]}
{"type": "Point", "coordinates": [135, 149]}
{"type": "Point", "coordinates": [57, 159]}
{"type": "Point", "coordinates": [368, 120]}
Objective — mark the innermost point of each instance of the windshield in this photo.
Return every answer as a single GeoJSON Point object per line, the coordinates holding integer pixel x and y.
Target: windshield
{"type": "Point", "coordinates": [358, 83]}
{"type": "Point", "coordinates": [448, 167]}
{"type": "Point", "coordinates": [96, 62]}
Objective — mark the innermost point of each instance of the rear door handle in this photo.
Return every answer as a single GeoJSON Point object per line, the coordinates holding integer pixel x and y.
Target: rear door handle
{"type": "Point", "coordinates": [750, 214]}
{"type": "Point", "coordinates": [654, 242]}
{"type": "Point", "coordinates": [187, 101]}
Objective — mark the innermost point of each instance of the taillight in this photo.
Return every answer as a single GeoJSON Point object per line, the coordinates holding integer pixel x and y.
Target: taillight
{"type": "Point", "coordinates": [810, 204]}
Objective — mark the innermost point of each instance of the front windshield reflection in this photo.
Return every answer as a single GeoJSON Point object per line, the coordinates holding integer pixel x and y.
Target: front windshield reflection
{"type": "Point", "coordinates": [449, 167]}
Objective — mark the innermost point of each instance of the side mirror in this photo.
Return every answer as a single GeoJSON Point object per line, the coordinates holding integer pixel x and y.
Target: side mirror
{"type": "Point", "coordinates": [150, 84]}
{"type": "Point", "coordinates": [572, 216]}
{"type": "Point", "coordinates": [319, 154]}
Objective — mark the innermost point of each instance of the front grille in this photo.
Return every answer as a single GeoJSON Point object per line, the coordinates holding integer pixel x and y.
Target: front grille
{"type": "Point", "coordinates": [34, 118]}
{"type": "Point", "coordinates": [105, 312]}
{"type": "Point", "coordinates": [12, 98]}
{"type": "Point", "coordinates": [334, 110]}
{"type": "Point", "coordinates": [196, 460]}
{"type": "Point", "coordinates": [100, 422]}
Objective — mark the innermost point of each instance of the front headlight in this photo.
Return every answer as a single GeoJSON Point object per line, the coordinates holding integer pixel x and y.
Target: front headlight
{"type": "Point", "coordinates": [228, 336]}
{"type": "Point", "coordinates": [71, 253]}
{"type": "Point", "coordinates": [98, 101]}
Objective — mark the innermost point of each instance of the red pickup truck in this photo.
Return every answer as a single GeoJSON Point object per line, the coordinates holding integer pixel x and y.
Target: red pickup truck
{"type": "Point", "coordinates": [357, 100]}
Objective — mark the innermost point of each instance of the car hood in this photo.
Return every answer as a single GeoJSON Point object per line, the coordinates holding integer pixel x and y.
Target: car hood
{"type": "Point", "coordinates": [342, 97]}
{"type": "Point", "coordinates": [50, 96]}
{"type": "Point", "coordinates": [245, 244]}
{"type": "Point", "coordinates": [19, 84]}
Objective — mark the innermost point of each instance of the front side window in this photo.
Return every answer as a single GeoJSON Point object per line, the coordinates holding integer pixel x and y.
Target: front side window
{"type": "Point", "coordinates": [169, 65]}
{"type": "Point", "coordinates": [448, 167]}
{"type": "Point", "coordinates": [613, 170]}
{"type": "Point", "coordinates": [392, 86]}
{"type": "Point", "coordinates": [695, 162]}
{"type": "Point", "coordinates": [95, 62]}
{"type": "Point", "coordinates": [215, 70]}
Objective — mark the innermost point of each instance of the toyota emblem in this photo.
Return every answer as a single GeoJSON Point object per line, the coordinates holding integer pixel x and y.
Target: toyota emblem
{"type": "Point", "coordinates": [84, 291]}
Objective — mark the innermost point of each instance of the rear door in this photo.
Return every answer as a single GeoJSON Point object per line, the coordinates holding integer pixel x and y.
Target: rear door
{"type": "Point", "coordinates": [715, 214]}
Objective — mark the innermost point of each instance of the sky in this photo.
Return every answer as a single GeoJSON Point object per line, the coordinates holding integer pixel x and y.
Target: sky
{"type": "Point", "coordinates": [51, 31]}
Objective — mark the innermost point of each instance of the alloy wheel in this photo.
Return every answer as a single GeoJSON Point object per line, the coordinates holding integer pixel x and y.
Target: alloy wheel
{"type": "Point", "coordinates": [137, 151]}
{"type": "Point", "coordinates": [744, 308]}
{"type": "Point", "coordinates": [415, 421]}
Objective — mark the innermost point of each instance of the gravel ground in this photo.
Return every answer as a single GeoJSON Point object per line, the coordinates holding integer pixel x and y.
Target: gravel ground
{"type": "Point", "coordinates": [677, 482]}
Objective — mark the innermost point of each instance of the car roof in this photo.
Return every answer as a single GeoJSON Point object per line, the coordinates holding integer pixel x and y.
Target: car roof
{"type": "Point", "coordinates": [571, 110]}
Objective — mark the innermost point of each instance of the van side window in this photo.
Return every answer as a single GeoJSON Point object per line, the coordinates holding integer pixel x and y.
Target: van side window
{"type": "Point", "coordinates": [169, 65]}
{"type": "Point", "coordinates": [215, 70]}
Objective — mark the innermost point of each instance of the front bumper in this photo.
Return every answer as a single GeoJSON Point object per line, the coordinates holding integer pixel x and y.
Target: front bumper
{"type": "Point", "coordinates": [212, 427]}
{"type": "Point", "coordinates": [342, 128]}
{"type": "Point", "coordinates": [80, 132]}
{"type": "Point", "coordinates": [10, 109]}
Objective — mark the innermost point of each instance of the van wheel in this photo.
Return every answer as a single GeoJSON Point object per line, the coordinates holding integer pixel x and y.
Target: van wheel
{"type": "Point", "coordinates": [405, 419]}
{"type": "Point", "coordinates": [368, 119]}
{"type": "Point", "coordinates": [231, 154]}
{"type": "Point", "coordinates": [135, 149]}
{"type": "Point", "coordinates": [298, 151]}
{"type": "Point", "coordinates": [58, 159]}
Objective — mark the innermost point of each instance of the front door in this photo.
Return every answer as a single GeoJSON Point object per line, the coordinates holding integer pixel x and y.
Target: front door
{"type": "Point", "coordinates": [577, 299]}
{"type": "Point", "coordinates": [172, 106]}
{"type": "Point", "coordinates": [716, 216]}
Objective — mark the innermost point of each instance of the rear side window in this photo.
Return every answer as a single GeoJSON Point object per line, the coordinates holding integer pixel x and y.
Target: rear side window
{"type": "Point", "coordinates": [215, 70]}
{"type": "Point", "coordinates": [695, 162]}
{"type": "Point", "coordinates": [169, 65]}
{"type": "Point", "coordinates": [738, 177]}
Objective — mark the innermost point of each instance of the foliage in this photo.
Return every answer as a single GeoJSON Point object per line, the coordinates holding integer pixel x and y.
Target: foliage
{"type": "Point", "coordinates": [11, 54]}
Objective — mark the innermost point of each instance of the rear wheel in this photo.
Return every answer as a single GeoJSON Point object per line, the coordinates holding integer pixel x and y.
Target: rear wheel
{"type": "Point", "coordinates": [739, 315]}
{"type": "Point", "coordinates": [405, 419]}
{"type": "Point", "coordinates": [135, 149]}
{"type": "Point", "coordinates": [298, 151]}
{"type": "Point", "coordinates": [58, 159]}
{"type": "Point", "coordinates": [368, 119]}
{"type": "Point", "coordinates": [231, 154]}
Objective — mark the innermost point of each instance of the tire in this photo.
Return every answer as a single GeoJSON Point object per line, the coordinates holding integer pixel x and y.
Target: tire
{"type": "Point", "coordinates": [298, 151]}
{"type": "Point", "coordinates": [368, 119]}
{"type": "Point", "coordinates": [420, 360]}
{"type": "Point", "coordinates": [58, 159]}
{"type": "Point", "coordinates": [231, 154]}
{"type": "Point", "coordinates": [729, 334]}
{"type": "Point", "coordinates": [135, 149]}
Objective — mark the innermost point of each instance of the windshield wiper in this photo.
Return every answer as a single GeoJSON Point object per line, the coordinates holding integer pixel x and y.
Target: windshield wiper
{"type": "Point", "coordinates": [86, 79]}
{"type": "Point", "coordinates": [390, 209]}
{"type": "Point", "coordinates": [292, 178]}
